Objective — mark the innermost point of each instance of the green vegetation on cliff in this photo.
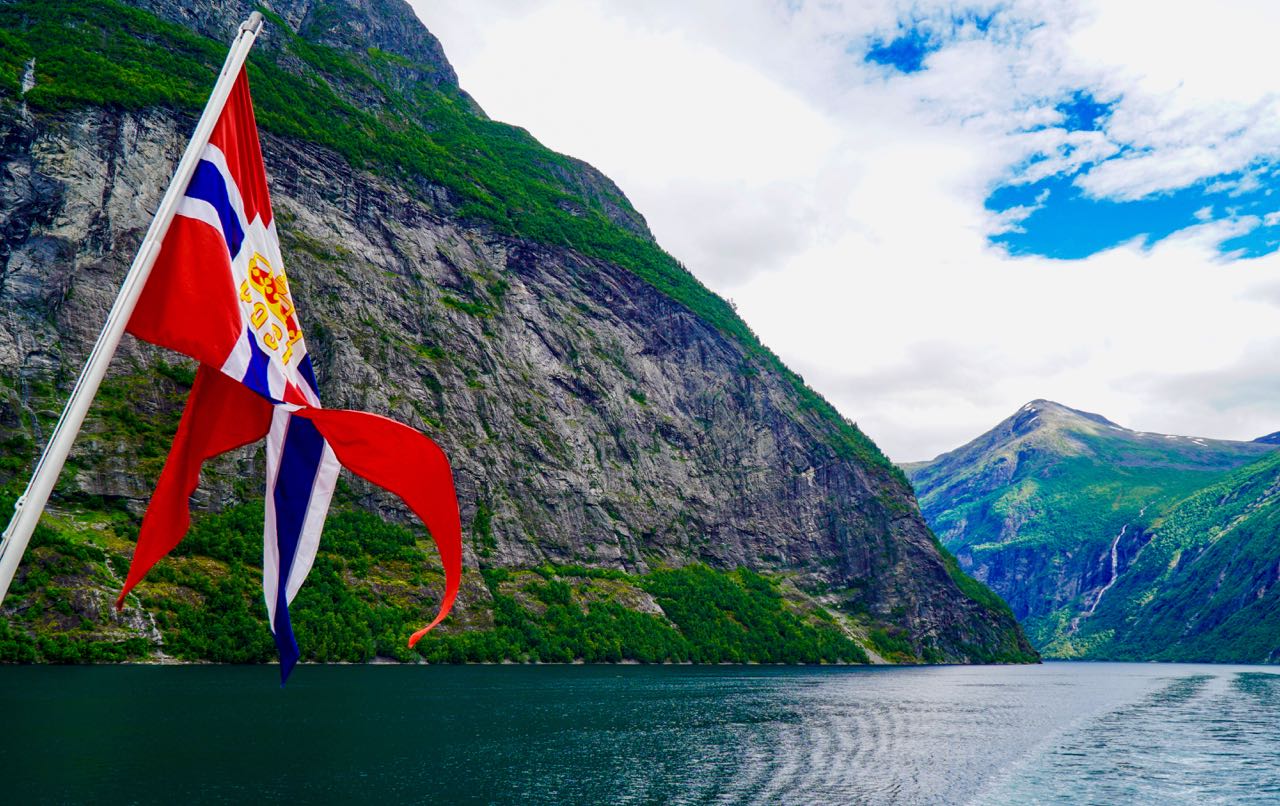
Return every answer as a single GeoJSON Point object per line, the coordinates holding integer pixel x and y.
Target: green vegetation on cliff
{"type": "Point", "coordinates": [1035, 506]}
{"type": "Point", "coordinates": [370, 588]}
{"type": "Point", "coordinates": [1205, 588]}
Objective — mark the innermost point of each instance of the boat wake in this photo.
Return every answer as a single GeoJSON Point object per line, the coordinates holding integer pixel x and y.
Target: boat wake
{"type": "Point", "coordinates": [1202, 738]}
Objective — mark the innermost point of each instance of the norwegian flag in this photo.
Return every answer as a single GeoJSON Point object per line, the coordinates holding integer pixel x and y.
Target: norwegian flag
{"type": "Point", "coordinates": [219, 293]}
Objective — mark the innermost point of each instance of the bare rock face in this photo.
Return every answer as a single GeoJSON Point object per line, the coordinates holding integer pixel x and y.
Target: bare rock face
{"type": "Point", "coordinates": [590, 419]}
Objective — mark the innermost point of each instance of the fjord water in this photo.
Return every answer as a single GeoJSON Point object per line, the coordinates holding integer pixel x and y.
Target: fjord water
{"type": "Point", "coordinates": [1057, 733]}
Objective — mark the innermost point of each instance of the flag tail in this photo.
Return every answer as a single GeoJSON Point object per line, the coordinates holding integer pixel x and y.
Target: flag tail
{"type": "Point", "coordinates": [407, 463]}
{"type": "Point", "coordinates": [221, 415]}
{"type": "Point", "coordinates": [286, 644]}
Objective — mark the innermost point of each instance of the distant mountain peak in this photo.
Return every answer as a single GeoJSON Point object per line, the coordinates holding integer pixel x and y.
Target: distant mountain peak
{"type": "Point", "coordinates": [1046, 424]}
{"type": "Point", "coordinates": [1049, 409]}
{"type": "Point", "coordinates": [1047, 429]}
{"type": "Point", "coordinates": [1054, 506]}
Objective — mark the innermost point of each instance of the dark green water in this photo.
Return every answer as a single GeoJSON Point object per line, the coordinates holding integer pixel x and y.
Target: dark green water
{"type": "Point", "coordinates": [1058, 733]}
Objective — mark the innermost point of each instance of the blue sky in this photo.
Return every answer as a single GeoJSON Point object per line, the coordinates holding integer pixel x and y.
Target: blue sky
{"type": "Point", "coordinates": [1061, 220]}
{"type": "Point", "coordinates": [1066, 223]}
{"type": "Point", "coordinates": [906, 48]}
{"type": "Point", "coordinates": [1054, 216]}
{"type": "Point", "coordinates": [936, 212]}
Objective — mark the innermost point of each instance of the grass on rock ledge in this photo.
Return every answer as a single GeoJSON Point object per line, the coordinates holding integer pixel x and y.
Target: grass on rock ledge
{"type": "Point", "coordinates": [372, 585]}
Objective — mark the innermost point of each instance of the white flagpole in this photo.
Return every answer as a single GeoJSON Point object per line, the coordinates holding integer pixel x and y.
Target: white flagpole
{"type": "Point", "coordinates": [29, 506]}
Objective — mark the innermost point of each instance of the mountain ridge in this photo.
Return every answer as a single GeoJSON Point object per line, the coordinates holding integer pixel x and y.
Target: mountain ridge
{"type": "Point", "coordinates": [1053, 505]}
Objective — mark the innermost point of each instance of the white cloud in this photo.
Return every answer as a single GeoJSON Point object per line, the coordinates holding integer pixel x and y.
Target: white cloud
{"type": "Point", "coordinates": [842, 207]}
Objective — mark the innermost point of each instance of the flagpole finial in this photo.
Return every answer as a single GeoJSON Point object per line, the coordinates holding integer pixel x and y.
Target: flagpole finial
{"type": "Point", "coordinates": [252, 25]}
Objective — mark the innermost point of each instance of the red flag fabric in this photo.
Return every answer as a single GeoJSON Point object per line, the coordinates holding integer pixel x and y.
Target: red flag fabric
{"type": "Point", "coordinates": [379, 449]}
{"type": "Point", "coordinates": [221, 415]}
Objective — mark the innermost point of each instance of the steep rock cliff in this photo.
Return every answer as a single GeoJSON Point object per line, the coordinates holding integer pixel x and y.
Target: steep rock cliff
{"type": "Point", "coordinates": [601, 409]}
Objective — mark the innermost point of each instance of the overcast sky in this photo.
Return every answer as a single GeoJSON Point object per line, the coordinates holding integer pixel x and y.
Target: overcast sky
{"type": "Point", "coordinates": [937, 212]}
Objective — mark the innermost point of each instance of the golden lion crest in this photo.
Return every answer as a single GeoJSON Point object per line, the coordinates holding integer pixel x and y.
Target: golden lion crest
{"type": "Point", "coordinates": [272, 315]}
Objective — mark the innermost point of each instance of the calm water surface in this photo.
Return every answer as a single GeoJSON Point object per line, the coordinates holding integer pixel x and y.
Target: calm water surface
{"type": "Point", "coordinates": [1058, 733]}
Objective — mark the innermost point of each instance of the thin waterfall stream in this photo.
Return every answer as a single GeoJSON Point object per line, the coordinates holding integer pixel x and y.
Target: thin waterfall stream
{"type": "Point", "coordinates": [1115, 572]}
{"type": "Point", "coordinates": [1115, 548]}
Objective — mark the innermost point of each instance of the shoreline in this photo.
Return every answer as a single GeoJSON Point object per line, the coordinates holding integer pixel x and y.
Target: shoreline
{"type": "Point", "coordinates": [384, 661]}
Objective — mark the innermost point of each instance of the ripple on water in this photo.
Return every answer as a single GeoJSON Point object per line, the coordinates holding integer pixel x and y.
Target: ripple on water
{"type": "Point", "coordinates": [1202, 738]}
{"type": "Point", "coordinates": [1067, 733]}
{"type": "Point", "coordinates": [910, 736]}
